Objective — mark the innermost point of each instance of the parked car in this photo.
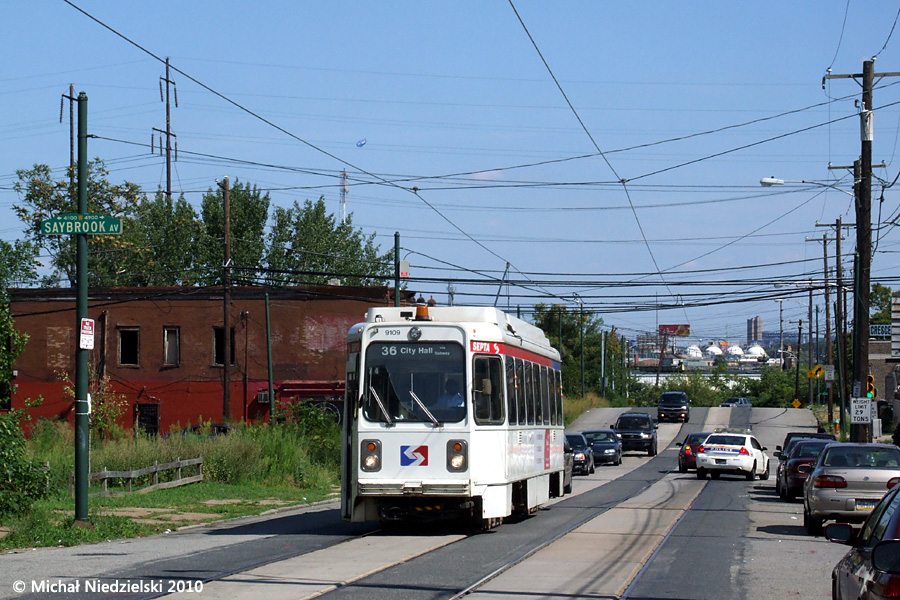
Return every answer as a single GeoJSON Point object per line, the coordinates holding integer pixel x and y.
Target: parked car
{"type": "Point", "coordinates": [871, 569]}
{"type": "Point", "coordinates": [584, 456]}
{"type": "Point", "coordinates": [568, 466]}
{"type": "Point", "coordinates": [673, 406]}
{"type": "Point", "coordinates": [687, 454]}
{"type": "Point", "coordinates": [605, 445]}
{"type": "Point", "coordinates": [736, 453]}
{"type": "Point", "coordinates": [847, 481]}
{"type": "Point", "coordinates": [210, 430]}
{"type": "Point", "coordinates": [737, 401]}
{"type": "Point", "coordinates": [636, 431]}
{"type": "Point", "coordinates": [789, 480]}
{"type": "Point", "coordinates": [801, 434]}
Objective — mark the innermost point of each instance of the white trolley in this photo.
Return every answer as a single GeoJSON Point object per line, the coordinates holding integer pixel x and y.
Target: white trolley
{"type": "Point", "coordinates": [450, 412]}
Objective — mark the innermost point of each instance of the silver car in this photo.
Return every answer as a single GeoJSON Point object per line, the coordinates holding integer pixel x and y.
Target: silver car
{"type": "Point", "coordinates": [847, 482]}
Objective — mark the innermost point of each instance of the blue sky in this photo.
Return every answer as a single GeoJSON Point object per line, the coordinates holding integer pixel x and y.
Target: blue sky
{"type": "Point", "coordinates": [456, 100]}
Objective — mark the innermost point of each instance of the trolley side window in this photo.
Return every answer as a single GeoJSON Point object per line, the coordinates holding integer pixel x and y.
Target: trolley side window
{"type": "Point", "coordinates": [548, 385]}
{"type": "Point", "coordinates": [487, 389]}
{"type": "Point", "coordinates": [529, 392]}
{"type": "Point", "coordinates": [536, 394]}
{"type": "Point", "coordinates": [521, 396]}
{"type": "Point", "coordinates": [557, 392]}
{"type": "Point", "coordinates": [511, 390]}
{"type": "Point", "coordinates": [545, 398]}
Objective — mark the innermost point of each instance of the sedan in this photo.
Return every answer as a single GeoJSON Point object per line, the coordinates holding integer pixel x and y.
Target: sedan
{"type": "Point", "coordinates": [871, 569]}
{"type": "Point", "coordinates": [789, 480]}
{"type": "Point", "coordinates": [737, 401]}
{"type": "Point", "coordinates": [584, 456]}
{"type": "Point", "coordinates": [605, 446]}
{"type": "Point", "coordinates": [737, 453]}
{"type": "Point", "coordinates": [687, 455]}
{"type": "Point", "coordinates": [847, 481]}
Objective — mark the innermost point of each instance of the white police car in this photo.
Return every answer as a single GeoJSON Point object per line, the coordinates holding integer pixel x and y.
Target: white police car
{"type": "Point", "coordinates": [735, 453]}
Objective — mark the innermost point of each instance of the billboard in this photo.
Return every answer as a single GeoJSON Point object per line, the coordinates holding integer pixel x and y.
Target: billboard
{"type": "Point", "coordinates": [675, 330]}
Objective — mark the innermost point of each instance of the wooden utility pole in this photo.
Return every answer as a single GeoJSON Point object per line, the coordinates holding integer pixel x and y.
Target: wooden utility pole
{"type": "Point", "coordinates": [863, 186]}
{"type": "Point", "coordinates": [226, 313]}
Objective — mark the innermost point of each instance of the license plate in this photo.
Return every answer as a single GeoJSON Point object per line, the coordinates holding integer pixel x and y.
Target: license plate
{"type": "Point", "coordinates": [866, 504]}
{"type": "Point", "coordinates": [721, 461]}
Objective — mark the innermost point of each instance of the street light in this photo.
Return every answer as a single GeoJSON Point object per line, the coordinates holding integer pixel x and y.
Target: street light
{"type": "Point", "coordinates": [773, 181]}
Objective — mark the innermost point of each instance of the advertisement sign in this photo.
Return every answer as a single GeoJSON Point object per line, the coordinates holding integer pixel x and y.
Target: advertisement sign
{"type": "Point", "coordinates": [675, 330]}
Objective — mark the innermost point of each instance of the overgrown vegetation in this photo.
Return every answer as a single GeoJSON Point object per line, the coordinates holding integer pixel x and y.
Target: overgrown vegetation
{"type": "Point", "coordinates": [249, 470]}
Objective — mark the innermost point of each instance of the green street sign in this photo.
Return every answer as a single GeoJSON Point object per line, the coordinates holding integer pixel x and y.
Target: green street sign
{"type": "Point", "coordinates": [81, 223]}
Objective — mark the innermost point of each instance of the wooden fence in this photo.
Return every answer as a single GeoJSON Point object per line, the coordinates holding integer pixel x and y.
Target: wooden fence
{"type": "Point", "coordinates": [104, 475]}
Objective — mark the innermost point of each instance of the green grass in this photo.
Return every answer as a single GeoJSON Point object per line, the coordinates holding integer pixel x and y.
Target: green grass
{"type": "Point", "coordinates": [250, 471]}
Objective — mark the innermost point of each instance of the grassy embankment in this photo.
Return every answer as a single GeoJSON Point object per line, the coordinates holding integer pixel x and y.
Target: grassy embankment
{"type": "Point", "coordinates": [250, 471]}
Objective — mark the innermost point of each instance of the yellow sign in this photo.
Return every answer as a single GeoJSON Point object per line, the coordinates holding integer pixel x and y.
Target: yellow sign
{"type": "Point", "coordinates": [797, 403]}
{"type": "Point", "coordinates": [818, 371]}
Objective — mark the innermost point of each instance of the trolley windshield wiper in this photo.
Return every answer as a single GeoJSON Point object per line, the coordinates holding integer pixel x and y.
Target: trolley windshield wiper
{"type": "Point", "coordinates": [425, 410]}
{"type": "Point", "coordinates": [384, 411]}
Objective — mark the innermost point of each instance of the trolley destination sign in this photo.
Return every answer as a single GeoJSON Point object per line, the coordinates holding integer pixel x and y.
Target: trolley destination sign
{"type": "Point", "coordinates": [81, 223]}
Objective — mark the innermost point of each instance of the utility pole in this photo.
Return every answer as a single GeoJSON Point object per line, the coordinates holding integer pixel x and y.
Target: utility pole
{"type": "Point", "coordinates": [809, 344]}
{"type": "Point", "coordinates": [863, 433]}
{"type": "Point", "coordinates": [226, 312]}
{"type": "Point", "coordinates": [168, 131]}
{"type": "Point", "coordinates": [71, 98]}
{"type": "Point", "coordinates": [82, 408]}
{"type": "Point", "coordinates": [797, 357]}
{"type": "Point", "coordinates": [343, 196]}
{"type": "Point", "coordinates": [780, 302]}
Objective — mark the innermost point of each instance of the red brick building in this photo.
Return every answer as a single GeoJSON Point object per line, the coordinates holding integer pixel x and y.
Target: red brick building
{"type": "Point", "coordinates": [163, 348]}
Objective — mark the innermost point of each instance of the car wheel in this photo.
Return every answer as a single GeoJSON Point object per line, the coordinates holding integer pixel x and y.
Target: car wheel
{"type": "Point", "coordinates": [765, 474]}
{"type": "Point", "coordinates": [751, 474]}
{"type": "Point", "coordinates": [813, 524]}
{"type": "Point", "coordinates": [682, 468]}
{"type": "Point", "coordinates": [701, 473]}
{"type": "Point", "coordinates": [591, 472]}
{"type": "Point", "coordinates": [789, 495]}
{"type": "Point", "coordinates": [619, 460]}
{"type": "Point", "coordinates": [782, 492]}
{"type": "Point", "coordinates": [652, 450]}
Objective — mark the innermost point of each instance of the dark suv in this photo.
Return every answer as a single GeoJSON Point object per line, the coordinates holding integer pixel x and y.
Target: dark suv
{"type": "Point", "coordinates": [637, 431]}
{"type": "Point", "coordinates": [674, 406]}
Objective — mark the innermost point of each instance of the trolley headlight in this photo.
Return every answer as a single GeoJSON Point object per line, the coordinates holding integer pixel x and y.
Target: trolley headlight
{"type": "Point", "coordinates": [415, 333]}
{"type": "Point", "coordinates": [370, 455]}
{"type": "Point", "coordinates": [457, 455]}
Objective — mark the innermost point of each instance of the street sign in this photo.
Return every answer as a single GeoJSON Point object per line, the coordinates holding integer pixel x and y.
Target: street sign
{"type": "Point", "coordinates": [880, 331]}
{"type": "Point", "coordinates": [404, 269]}
{"type": "Point", "coordinates": [796, 403]}
{"type": "Point", "coordinates": [829, 372]}
{"type": "Point", "coordinates": [70, 224]}
{"type": "Point", "coordinates": [818, 371]}
{"type": "Point", "coordinates": [87, 334]}
{"type": "Point", "coordinates": [860, 411]}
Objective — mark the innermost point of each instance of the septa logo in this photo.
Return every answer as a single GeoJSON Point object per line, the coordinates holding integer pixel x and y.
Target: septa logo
{"type": "Point", "coordinates": [413, 456]}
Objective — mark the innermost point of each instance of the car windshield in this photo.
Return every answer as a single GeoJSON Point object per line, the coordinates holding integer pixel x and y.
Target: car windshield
{"type": "Point", "coordinates": [599, 436]}
{"type": "Point", "coordinates": [868, 458]}
{"type": "Point", "coordinates": [724, 440]}
{"type": "Point", "coordinates": [672, 399]}
{"type": "Point", "coordinates": [576, 441]}
{"type": "Point", "coordinates": [633, 422]}
{"type": "Point", "coordinates": [421, 382]}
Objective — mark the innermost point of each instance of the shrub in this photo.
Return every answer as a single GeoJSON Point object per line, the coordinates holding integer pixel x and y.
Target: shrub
{"type": "Point", "coordinates": [21, 481]}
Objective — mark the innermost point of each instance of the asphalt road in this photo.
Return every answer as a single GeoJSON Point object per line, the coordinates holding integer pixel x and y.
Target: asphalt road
{"type": "Point", "coordinates": [640, 530]}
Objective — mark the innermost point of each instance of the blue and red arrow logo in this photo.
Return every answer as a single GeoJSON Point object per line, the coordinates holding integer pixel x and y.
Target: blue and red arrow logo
{"type": "Point", "coordinates": [413, 456]}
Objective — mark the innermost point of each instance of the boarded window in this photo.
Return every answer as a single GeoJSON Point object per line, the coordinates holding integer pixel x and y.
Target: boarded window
{"type": "Point", "coordinates": [171, 346]}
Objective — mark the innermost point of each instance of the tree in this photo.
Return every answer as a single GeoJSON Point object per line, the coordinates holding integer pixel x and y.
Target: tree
{"type": "Point", "coordinates": [556, 318]}
{"type": "Point", "coordinates": [880, 305]}
{"type": "Point", "coordinates": [18, 263]}
{"type": "Point", "coordinates": [165, 237]}
{"type": "Point", "coordinates": [43, 198]}
{"type": "Point", "coordinates": [249, 214]}
{"type": "Point", "coordinates": [307, 246]}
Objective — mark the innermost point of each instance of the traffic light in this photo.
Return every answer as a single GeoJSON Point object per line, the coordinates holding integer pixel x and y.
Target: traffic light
{"type": "Point", "coordinates": [870, 386]}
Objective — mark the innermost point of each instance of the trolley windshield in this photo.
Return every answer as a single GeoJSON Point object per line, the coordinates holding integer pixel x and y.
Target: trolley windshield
{"type": "Point", "coordinates": [421, 382]}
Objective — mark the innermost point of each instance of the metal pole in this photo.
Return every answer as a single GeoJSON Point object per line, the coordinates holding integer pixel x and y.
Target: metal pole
{"type": "Point", "coordinates": [797, 360]}
{"type": "Point", "coordinates": [828, 349]}
{"type": "Point", "coordinates": [602, 364]}
{"type": "Point", "coordinates": [397, 268]}
{"type": "Point", "coordinates": [82, 431]}
{"type": "Point", "coordinates": [269, 359]}
{"type": "Point", "coordinates": [582, 350]}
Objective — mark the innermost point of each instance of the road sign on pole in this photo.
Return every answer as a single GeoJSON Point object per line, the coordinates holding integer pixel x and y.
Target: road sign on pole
{"type": "Point", "coordinates": [860, 411]}
{"type": "Point", "coordinates": [87, 334]}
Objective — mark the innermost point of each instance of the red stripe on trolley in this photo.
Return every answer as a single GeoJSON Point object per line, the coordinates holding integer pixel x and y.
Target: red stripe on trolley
{"type": "Point", "coordinates": [506, 350]}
